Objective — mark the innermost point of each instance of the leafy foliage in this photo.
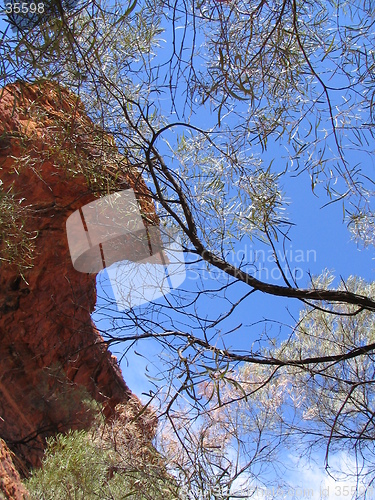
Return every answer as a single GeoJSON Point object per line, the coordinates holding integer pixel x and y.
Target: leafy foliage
{"type": "Point", "coordinates": [109, 461]}
{"type": "Point", "coordinates": [16, 244]}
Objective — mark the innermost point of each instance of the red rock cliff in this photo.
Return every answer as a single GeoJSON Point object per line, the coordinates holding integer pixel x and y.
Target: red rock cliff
{"type": "Point", "coordinates": [52, 158]}
{"type": "Point", "coordinates": [10, 481]}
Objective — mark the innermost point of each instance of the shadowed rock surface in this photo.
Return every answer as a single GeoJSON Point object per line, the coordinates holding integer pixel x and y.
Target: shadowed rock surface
{"type": "Point", "coordinates": [53, 160]}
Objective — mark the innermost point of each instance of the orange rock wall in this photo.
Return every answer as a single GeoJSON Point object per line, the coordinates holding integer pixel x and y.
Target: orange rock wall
{"type": "Point", "coordinates": [50, 351]}
{"type": "Point", "coordinates": [10, 481]}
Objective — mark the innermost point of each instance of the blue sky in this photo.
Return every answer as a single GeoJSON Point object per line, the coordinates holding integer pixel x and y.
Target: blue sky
{"type": "Point", "coordinates": [320, 239]}
{"type": "Point", "coordinates": [322, 235]}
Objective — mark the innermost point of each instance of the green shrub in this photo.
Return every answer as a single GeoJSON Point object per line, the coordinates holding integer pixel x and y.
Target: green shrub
{"type": "Point", "coordinates": [73, 467]}
{"type": "Point", "coordinates": [101, 464]}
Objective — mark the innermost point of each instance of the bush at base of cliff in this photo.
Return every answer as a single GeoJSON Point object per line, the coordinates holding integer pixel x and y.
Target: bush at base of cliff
{"type": "Point", "coordinates": [96, 464]}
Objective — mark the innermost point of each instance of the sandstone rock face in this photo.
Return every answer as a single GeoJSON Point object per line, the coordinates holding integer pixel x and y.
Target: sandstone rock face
{"type": "Point", "coordinates": [54, 161]}
{"type": "Point", "coordinates": [10, 481]}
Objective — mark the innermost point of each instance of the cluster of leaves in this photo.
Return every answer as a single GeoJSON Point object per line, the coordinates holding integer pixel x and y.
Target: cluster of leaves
{"type": "Point", "coordinates": [71, 141]}
{"type": "Point", "coordinates": [112, 460]}
{"type": "Point", "coordinates": [16, 244]}
{"type": "Point", "coordinates": [334, 395]}
{"type": "Point", "coordinates": [231, 435]}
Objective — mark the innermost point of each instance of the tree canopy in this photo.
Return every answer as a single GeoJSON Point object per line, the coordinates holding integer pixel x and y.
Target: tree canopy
{"type": "Point", "coordinates": [229, 109]}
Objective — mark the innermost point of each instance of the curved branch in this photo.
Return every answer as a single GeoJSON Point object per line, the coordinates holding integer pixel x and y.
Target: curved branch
{"type": "Point", "coordinates": [254, 359]}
